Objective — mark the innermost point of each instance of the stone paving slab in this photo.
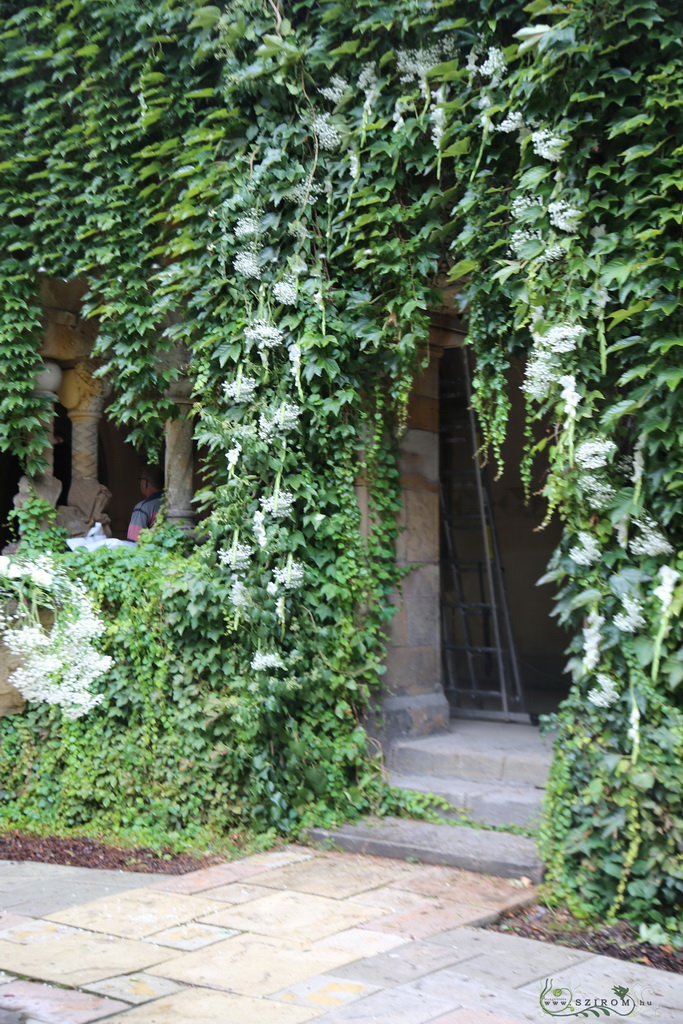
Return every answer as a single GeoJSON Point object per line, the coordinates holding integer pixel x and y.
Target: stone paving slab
{"type": "Point", "coordinates": [133, 915]}
{"type": "Point", "coordinates": [420, 922]}
{"type": "Point", "coordinates": [36, 890]}
{"type": "Point", "coordinates": [337, 877]}
{"type": "Point", "coordinates": [80, 958]}
{"type": "Point", "coordinates": [359, 942]}
{"type": "Point", "coordinates": [394, 1006]}
{"type": "Point", "coordinates": [48, 1005]}
{"type": "Point", "coordinates": [325, 991]}
{"type": "Point", "coordinates": [298, 915]}
{"type": "Point", "coordinates": [402, 964]}
{"type": "Point", "coordinates": [135, 988]}
{"type": "Point", "coordinates": [190, 936]}
{"type": "Point", "coordinates": [206, 1007]}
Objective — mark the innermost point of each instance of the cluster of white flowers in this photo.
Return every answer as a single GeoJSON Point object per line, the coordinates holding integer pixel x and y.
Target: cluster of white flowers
{"type": "Point", "coordinates": [259, 528]}
{"type": "Point", "coordinates": [354, 164]}
{"type": "Point", "coordinates": [248, 225]}
{"type": "Point", "coordinates": [631, 618]}
{"type": "Point", "coordinates": [239, 595]}
{"type": "Point", "coordinates": [599, 493]}
{"type": "Point", "coordinates": [235, 557]}
{"type": "Point", "coordinates": [521, 236]}
{"type": "Point", "coordinates": [665, 591]}
{"type": "Point", "coordinates": [233, 455]}
{"type": "Point", "coordinates": [285, 418]}
{"type": "Point", "coordinates": [650, 541]}
{"type": "Point", "coordinates": [58, 662]}
{"type": "Point", "coordinates": [328, 134]}
{"type": "Point", "coordinates": [587, 551]}
{"type": "Point", "coordinates": [242, 389]}
{"type": "Point", "coordinates": [263, 660]}
{"type": "Point", "coordinates": [400, 108]}
{"type": "Point", "coordinates": [305, 191]}
{"type": "Point", "coordinates": [638, 462]}
{"type": "Point", "coordinates": [263, 334]}
{"type": "Point", "coordinates": [561, 338]}
{"type": "Point", "coordinates": [437, 116]}
{"type": "Point", "coordinates": [607, 693]}
{"type": "Point", "coordinates": [634, 724]}
{"type": "Point", "coordinates": [540, 375]}
{"type": "Point", "coordinates": [524, 202]}
{"type": "Point", "coordinates": [547, 145]}
{"type": "Point", "coordinates": [285, 291]}
{"type": "Point", "coordinates": [552, 253]}
{"type": "Point", "coordinates": [415, 65]}
{"type": "Point", "coordinates": [594, 452]}
{"type": "Point", "coordinates": [368, 84]}
{"type": "Point", "coordinates": [334, 92]}
{"type": "Point", "coordinates": [514, 122]}
{"type": "Point", "coordinates": [564, 216]}
{"type": "Point", "coordinates": [290, 576]}
{"type": "Point", "coordinates": [569, 395]}
{"type": "Point", "coordinates": [494, 66]}
{"type": "Point", "coordinates": [591, 640]}
{"type": "Point", "coordinates": [278, 504]}
{"type": "Point", "coordinates": [246, 262]}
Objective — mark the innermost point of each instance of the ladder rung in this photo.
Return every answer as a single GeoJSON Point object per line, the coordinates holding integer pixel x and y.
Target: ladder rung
{"type": "Point", "coordinates": [472, 650]}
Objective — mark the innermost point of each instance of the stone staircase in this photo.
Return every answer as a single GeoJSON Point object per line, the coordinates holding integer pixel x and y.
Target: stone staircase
{"type": "Point", "coordinates": [493, 772]}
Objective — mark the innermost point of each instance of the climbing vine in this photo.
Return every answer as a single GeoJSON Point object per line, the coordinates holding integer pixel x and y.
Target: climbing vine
{"type": "Point", "coordinates": [267, 197]}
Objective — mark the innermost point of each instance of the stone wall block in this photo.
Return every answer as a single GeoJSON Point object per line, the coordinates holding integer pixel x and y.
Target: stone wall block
{"type": "Point", "coordinates": [420, 456]}
{"type": "Point", "coordinates": [413, 670]}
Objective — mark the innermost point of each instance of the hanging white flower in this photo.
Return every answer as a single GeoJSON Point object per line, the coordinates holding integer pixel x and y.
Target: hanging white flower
{"type": "Point", "coordinates": [630, 619]}
{"type": "Point", "coordinates": [606, 694]}
{"type": "Point", "coordinates": [594, 452]}
{"type": "Point", "coordinates": [665, 591]}
{"type": "Point", "coordinates": [650, 541]}
{"type": "Point", "coordinates": [263, 660]}
{"type": "Point", "coordinates": [547, 145]}
{"type": "Point", "coordinates": [592, 638]}
{"type": "Point", "coordinates": [587, 551]}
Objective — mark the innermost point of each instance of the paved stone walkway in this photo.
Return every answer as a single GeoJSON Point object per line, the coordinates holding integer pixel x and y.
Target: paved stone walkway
{"type": "Point", "coordinates": [288, 937]}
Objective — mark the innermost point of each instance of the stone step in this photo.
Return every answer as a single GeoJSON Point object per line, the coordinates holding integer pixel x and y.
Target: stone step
{"type": "Point", "coordinates": [486, 751]}
{"type": "Point", "coordinates": [472, 849]}
{"type": "Point", "coordinates": [491, 803]}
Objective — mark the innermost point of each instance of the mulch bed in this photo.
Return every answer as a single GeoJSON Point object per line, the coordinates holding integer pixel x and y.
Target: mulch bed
{"type": "Point", "coordinates": [559, 927]}
{"type": "Point", "coordinates": [88, 853]}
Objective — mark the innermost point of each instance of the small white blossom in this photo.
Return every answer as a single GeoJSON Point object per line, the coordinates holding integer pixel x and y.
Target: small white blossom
{"type": "Point", "coordinates": [561, 338]}
{"type": "Point", "coordinates": [272, 588]}
{"type": "Point", "coordinates": [280, 421]}
{"type": "Point", "coordinates": [239, 595]}
{"type": "Point", "coordinates": [634, 724]}
{"type": "Point", "coordinates": [278, 504]}
{"type": "Point", "coordinates": [569, 395]}
{"type": "Point", "coordinates": [599, 492]}
{"type": "Point", "coordinates": [494, 66]}
{"type": "Point", "coordinates": [547, 145]}
{"type": "Point", "coordinates": [354, 164]}
{"type": "Point", "coordinates": [414, 65]}
{"type": "Point", "coordinates": [564, 216]}
{"type": "Point", "coordinates": [524, 202]}
{"type": "Point", "coordinates": [259, 528]}
{"type": "Point", "coordinates": [638, 461]}
{"type": "Point", "coordinates": [263, 334]}
{"type": "Point", "coordinates": [631, 618]}
{"type": "Point", "coordinates": [665, 591]}
{"type": "Point", "coordinates": [248, 225]}
{"type": "Point", "coordinates": [242, 389]}
{"type": "Point", "coordinates": [587, 552]}
{"type": "Point", "coordinates": [291, 576]}
{"type": "Point", "coordinates": [514, 122]}
{"type": "Point", "coordinates": [334, 92]}
{"type": "Point", "coordinates": [262, 660]}
{"type": "Point", "coordinates": [437, 116]}
{"type": "Point", "coordinates": [236, 556]}
{"type": "Point", "coordinates": [328, 134]}
{"type": "Point", "coordinates": [650, 541]}
{"type": "Point", "coordinates": [591, 641]}
{"type": "Point", "coordinates": [552, 253]}
{"type": "Point", "coordinates": [246, 263]}
{"type": "Point", "coordinates": [233, 455]}
{"type": "Point", "coordinates": [594, 452]}
{"type": "Point", "coordinates": [521, 237]}
{"type": "Point", "coordinates": [285, 291]}
{"type": "Point", "coordinates": [607, 694]}
{"type": "Point", "coordinates": [540, 375]}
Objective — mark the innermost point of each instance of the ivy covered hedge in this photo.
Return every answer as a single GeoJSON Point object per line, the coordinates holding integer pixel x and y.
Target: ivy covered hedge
{"type": "Point", "coordinates": [270, 192]}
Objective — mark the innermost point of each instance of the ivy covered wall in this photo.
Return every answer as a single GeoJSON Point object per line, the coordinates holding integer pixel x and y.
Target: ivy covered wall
{"type": "Point", "coordinates": [271, 191]}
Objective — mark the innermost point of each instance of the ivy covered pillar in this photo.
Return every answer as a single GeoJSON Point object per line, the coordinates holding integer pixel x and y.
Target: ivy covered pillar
{"type": "Point", "coordinates": [414, 702]}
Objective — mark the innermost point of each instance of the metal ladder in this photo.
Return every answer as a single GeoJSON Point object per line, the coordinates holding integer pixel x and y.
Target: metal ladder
{"type": "Point", "coordinates": [481, 673]}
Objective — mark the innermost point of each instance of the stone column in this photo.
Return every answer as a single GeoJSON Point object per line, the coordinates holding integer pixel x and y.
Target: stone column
{"type": "Point", "coordinates": [179, 463]}
{"type": "Point", "coordinates": [45, 486]}
{"type": "Point", "coordinates": [83, 396]}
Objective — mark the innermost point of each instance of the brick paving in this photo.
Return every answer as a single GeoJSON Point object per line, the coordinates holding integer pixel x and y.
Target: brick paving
{"type": "Point", "coordinates": [288, 937]}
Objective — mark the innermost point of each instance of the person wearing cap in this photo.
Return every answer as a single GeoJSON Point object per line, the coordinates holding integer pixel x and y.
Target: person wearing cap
{"type": "Point", "coordinates": [145, 512]}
